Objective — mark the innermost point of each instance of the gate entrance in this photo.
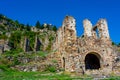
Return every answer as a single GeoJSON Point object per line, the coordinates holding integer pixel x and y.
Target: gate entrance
{"type": "Point", "coordinates": [92, 61]}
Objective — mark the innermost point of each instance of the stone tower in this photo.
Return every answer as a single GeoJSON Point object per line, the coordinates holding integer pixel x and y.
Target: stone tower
{"type": "Point", "coordinates": [87, 28]}
{"type": "Point", "coordinates": [69, 26]}
{"type": "Point", "coordinates": [70, 41]}
{"type": "Point", "coordinates": [103, 29]}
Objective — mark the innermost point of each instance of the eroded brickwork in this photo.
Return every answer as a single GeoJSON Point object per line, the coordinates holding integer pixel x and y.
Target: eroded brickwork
{"type": "Point", "coordinates": [92, 51]}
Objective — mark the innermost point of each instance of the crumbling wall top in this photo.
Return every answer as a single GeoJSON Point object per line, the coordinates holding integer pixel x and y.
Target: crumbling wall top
{"type": "Point", "coordinates": [87, 28]}
{"type": "Point", "coordinates": [69, 22]}
{"type": "Point", "coordinates": [103, 29]}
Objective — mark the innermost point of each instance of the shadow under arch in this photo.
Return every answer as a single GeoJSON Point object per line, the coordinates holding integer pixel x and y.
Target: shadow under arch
{"type": "Point", "coordinates": [92, 61]}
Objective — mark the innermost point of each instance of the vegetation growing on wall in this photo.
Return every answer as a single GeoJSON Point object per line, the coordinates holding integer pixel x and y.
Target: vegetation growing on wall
{"type": "Point", "coordinates": [17, 32]}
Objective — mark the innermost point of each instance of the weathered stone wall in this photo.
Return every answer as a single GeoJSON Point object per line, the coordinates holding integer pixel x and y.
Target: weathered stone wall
{"type": "Point", "coordinates": [66, 40]}
{"type": "Point", "coordinates": [103, 29]}
{"type": "Point", "coordinates": [4, 46]}
{"type": "Point", "coordinates": [72, 51]}
{"type": "Point", "coordinates": [87, 28]}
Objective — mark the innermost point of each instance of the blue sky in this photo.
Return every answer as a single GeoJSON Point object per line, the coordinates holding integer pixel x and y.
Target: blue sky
{"type": "Point", "coordinates": [54, 11]}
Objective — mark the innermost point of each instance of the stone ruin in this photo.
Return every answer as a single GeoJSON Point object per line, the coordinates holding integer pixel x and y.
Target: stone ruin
{"type": "Point", "coordinates": [4, 46]}
{"type": "Point", "coordinates": [92, 52]}
{"type": "Point", "coordinates": [26, 44]}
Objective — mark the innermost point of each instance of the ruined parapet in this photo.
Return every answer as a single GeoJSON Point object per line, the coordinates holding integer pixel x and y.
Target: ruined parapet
{"type": "Point", "coordinates": [94, 33]}
{"type": "Point", "coordinates": [66, 40]}
{"type": "Point", "coordinates": [69, 22]}
{"type": "Point", "coordinates": [87, 28]}
{"type": "Point", "coordinates": [103, 29]}
{"type": "Point", "coordinates": [69, 26]}
{"type": "Point", "coordinates": [66, 34]}
{"type": "Point", "coordinates": [69, 34]}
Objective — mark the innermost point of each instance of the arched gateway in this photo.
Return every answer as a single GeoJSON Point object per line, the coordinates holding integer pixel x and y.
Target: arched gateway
{"type": "Point", "coordinates": [92, 61]}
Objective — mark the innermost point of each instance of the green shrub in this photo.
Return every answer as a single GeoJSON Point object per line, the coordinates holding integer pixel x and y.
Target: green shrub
{"type": "Point", "coordinates": [49, 47]}
{"type": "Point", "coordinates": [13, 52]}
{"type": "Point", "coordinates": [2, 28]}
{"type": "Point", "coordinates": [42, 54]}
{"type": "Point", "coordinates": [62, 69]}
{"type": "Point", "coordinates": [15, 39]}
{"type": "Point", "coordinates": [3, 68]}
{"type": "Point", "coordinates": [51, 38]}
{"type": "Point", "coordinates": [113, 78]}
{"type": "Point", "coordinates": [5, 64]}
{"type": "Point", "coordinates": [3, 36]}
{"type": "Point", "coordinates": [51, 68]}
{"type": "Point", "coordinates": [16, 61]}
{"type": "Point", "coordinates": [54, 61]}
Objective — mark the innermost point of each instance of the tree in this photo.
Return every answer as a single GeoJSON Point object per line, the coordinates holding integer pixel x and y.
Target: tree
{"type": "Point", "coordinates": [22, 26]}
{"type": "Point", "coordinates": [54, 28]}
{"type": "Point", "coordinates": [42, 26]}
{"type": "Point", "coordinates": [15, 39]}
{"type": "Point", "coordinates": [17, 23]}
{"type": "Point", "coordinates": [1, 16]}
{"type": "Point", "coordinates": [118, 44]}
{"type": "Point", "coordinates": [28, 27]}
{"type": "Point", "coordinates": [37, 25]}
{"type": "Point", "coordinates": [113, 43]}
{"type": "Point", "coordinates": [49, 27]}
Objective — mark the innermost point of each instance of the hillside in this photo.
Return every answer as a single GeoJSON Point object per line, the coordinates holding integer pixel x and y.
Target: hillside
{"type": "Point", "coordinates": [24, 47]}
{"type": "Point", "coordinates": [14, 34]}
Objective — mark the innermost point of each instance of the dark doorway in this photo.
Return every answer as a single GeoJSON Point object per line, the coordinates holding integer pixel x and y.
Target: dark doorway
{"type": "Point", "coordinates": [38, 45]}
{"type": "Point", "coordinates": [63, 62]}
{"type": "Point", "coordinates": [92, 62]}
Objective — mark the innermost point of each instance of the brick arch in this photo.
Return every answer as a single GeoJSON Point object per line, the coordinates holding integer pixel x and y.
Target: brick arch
{"type": "Point", "coordinates": [97, 53]}
{"type": "Point", "coordinates": [93, 60]}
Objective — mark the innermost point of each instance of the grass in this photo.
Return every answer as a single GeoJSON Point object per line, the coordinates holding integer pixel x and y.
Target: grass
{"type": "Point", "coordinates": [35, 76]}
{"type": "Point", "coordinates": [113, 78]}
{"type": "Point", "coordinates": [15, 75]}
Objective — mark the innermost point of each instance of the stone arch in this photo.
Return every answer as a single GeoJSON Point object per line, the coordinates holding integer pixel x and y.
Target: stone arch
{"type": "Point", "coordinates": [92, 60]}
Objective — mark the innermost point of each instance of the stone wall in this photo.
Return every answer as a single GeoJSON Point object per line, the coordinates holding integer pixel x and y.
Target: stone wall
{"type": "Point", "coordinates": [87, 28]}
{"type": "Point", "coordinates": [73, 51]}
{"type": "Point", "coordinates": [4, 46]}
